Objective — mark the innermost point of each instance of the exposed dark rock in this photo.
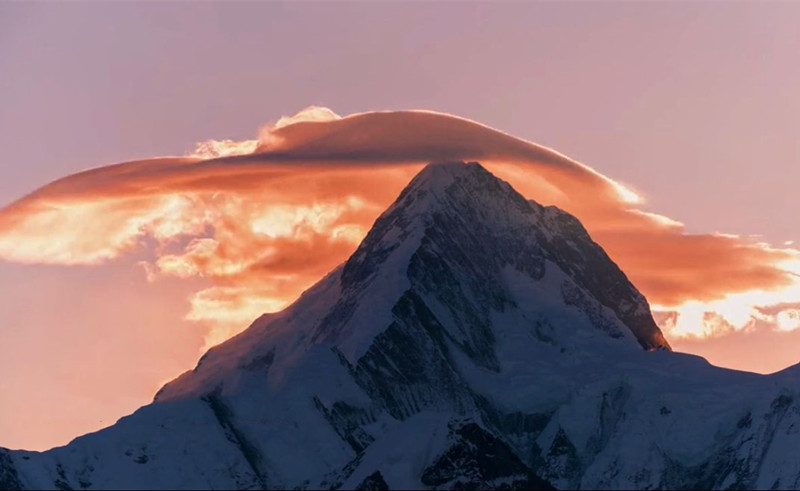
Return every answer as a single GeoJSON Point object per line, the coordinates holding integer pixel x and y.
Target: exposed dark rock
{"type": "Point", "coordinates": [373, 482]}
{"type": "Point", "coordinates": [476, 459]}
{"type": "Point", "coordinates": [9, 479]}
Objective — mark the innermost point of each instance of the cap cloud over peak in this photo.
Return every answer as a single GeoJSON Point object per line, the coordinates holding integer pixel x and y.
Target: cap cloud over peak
{"type": "Point", "coordinates": [263, 221]}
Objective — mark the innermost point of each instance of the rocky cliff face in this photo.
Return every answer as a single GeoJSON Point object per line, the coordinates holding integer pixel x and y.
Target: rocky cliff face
{"type": "Point", "coordinates": [474, 340]}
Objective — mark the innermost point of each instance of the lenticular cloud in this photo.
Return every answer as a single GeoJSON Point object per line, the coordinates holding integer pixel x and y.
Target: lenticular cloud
{"type": "Point", "coordinates": [265, 218]}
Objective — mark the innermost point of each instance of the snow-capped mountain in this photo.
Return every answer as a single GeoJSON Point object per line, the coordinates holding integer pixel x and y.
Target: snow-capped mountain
{"type": "Point", "coordinates": [474, 340]}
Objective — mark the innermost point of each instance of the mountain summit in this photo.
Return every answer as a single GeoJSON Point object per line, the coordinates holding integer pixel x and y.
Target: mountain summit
{"type": "Point", "coordinates": [463, 248]}
{"type": "Point", "coordinates": [475, 339]}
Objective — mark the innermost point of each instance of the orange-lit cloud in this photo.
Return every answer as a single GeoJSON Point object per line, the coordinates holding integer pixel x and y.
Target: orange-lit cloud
{"type": "Point", "coordinates": [264, 219]}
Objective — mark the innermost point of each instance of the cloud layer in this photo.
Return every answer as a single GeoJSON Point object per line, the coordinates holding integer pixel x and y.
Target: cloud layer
{"type": "Point", "coordinates": [264, 219]}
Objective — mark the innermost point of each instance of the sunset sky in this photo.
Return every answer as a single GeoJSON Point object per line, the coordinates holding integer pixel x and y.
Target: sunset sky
{"type": "Point", "coordinates": [677, 127]}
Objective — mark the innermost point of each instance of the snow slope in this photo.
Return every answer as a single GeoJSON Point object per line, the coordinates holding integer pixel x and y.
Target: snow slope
{"type": "Point", "coordinates": [474, 339]}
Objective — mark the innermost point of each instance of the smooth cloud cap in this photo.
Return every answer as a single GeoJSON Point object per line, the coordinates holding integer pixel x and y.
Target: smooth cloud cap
{"type": "Point", "coordinates": [263, 219]}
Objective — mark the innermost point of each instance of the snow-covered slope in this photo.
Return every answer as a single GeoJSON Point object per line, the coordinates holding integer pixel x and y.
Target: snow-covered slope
{"type": "Point", "coordinates": [474, 339]}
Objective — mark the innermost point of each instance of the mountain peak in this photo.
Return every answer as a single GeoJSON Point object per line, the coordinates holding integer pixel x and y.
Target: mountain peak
{"type": "Point", "coordinates": [474, 339]}
{"type": "Point", "coordinates": [463, 212]}
{"type": "Point", "coordinates": [464, 247]}
{"type": "Point", "coordinates": [440, 173]}
{"type": "Point", "coordinates": [435, 178]}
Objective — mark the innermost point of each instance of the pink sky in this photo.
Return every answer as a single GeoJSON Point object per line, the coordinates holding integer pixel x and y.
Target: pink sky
{"type": "Point", "coordinates": [693, 105]}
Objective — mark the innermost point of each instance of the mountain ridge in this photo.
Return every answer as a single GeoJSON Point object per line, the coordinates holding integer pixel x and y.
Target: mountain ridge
{"type": "Point", "coordinates": [469, 324]}
{"type": "Point", "coordinates": [421, 198]}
